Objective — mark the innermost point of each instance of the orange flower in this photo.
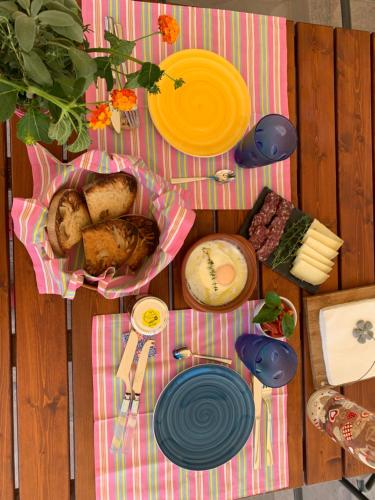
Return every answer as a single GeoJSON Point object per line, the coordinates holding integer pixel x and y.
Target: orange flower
{"type": "Point", "coordinates": [100, 117]}
{"type": "Point", "coordinates": [124, 99]}
{"type": "Point", "coordinates": [168, 28]}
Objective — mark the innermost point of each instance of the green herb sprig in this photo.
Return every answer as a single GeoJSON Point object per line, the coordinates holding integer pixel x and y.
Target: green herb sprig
{"type": "Point", "coordinates": [290, 241]}
{"type": "Point", "coordinates": [211, 268]}
{"type": "Point", "coordinates": [271, 311]}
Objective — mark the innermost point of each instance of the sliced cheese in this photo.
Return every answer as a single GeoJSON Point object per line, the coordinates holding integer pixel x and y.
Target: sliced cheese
{"type": "Point", "coordinates": [321, 228]}
{"type": "Point", "coordinates": [313, 262]}
{"type": "Point", "coordinates": [325, 240]}
{"type": "Point", "coordinates": [306, 272]}
{"type": "Point", "coordinates": [320, 247]}
{"type": "Point", "coordinates": [306, 250]}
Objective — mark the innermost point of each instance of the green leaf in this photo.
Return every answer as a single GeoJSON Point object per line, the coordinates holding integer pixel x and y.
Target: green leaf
{"type": "Point", "coordinates": [36, 5]}
{"type": "Point", "coordinates": [82, 142]}
{"type": "Point", "coordinates": [266, 314]}
{"type": "Point", "coordinates": [61, 130]}
{"type": "Point", "coordinates": [54, 111]}
{"type": "Point", "coordinates": [36, 69]}
{"type": "Point", "coordinates": [104, 70]}
{"type": "Point", "coordinates": [287, 325]}
{"type": "Point", "coordinates": [66, 84]}
{"type": "Point", "coordinates": [132, 80]}
{"type": "Point", "coordinates": [72, 4]}
{"type": "Point", "coordinates": [74, 32]}
{"type": "Point", "coordinates": [8, 99]}
{"type": "Point", "coordinates": [273, 299]}
{"type": "Point", "coordinates": [83, 64]}
{"type": "Point", "coordinates": [55, 18]}
{"type": "Point", "coordinates": [7, 8]}
{"type": "Point", "coordinates": [149, 75]}
{"type": "Point", "coordinates": [25, 32]}
{"type": "Point", "coordinates": [120, 48]}
{"type": "Point", "coordinates": [179, 83]}
{"type": "Point", "coordinates": [25, 4]}
{"type": "Point", "coordinates": [33, 127]}
{"type": "Point", "coordinates": [54, 5]}
{"type": "Point", "coordinates": [17, 13]}
{"type": "Point", "coordinates": [80, 87]}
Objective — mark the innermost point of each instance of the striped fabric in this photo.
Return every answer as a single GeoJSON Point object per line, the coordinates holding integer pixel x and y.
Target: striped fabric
{"type": "Point", "coordinates": [256, 45]}
{"type": "Point", "coordinates": [155, 197]}
{"type": "Point", "coordinates": [145, 474]}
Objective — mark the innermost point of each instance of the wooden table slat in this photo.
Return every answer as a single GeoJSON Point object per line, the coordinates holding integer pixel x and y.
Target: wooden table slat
{"type": "Point", "coordinates": [6, 433]}
{"type": "Point", "coordinates": [317, 183]}
{"type": "Point", "coordinates": [355, 183]}
{"type": "Point", "coordinates": [85, 306]}
{"type": "Point", "coordinates": [42, 368]}
{"type": "Point", "coordinates": [273, 281]}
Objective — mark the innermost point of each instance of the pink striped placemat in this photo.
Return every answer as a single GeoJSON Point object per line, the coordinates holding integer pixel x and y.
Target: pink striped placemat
{"type": "Point", "coordinates": [255, 45]}
{"type": "Point", "coordinates": [146, 473]}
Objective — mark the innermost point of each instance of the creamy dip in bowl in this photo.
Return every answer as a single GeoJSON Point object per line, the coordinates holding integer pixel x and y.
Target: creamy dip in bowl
{"type": "Point", "coordinates": [216, 271]}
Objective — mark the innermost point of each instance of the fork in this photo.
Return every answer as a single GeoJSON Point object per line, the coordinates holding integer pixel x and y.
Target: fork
{"type": "Point", "coordinates": [115, 113]}
{"type": "Point", "coordinates": [267, 398]}
{"type": "Point", "coordinates": [131, 117]}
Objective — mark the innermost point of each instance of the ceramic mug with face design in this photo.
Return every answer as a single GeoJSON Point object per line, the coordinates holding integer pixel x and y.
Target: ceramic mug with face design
{"type": "Point", "coordinates": [348, 424]}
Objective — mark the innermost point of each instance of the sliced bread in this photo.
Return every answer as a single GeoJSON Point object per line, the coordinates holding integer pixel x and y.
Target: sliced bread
{"type": "Point", "coordinates": [67, 215]}
{"type": "Point", "coordinates": [147, 242]}
{"type": "Point", "coordinates": [110, 196]}
{"type": "Point", "coordinates": [108, 244]}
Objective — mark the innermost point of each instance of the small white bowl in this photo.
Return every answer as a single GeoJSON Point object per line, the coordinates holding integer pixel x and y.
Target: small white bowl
{"type": "Point", "coordinates": [259, 307]}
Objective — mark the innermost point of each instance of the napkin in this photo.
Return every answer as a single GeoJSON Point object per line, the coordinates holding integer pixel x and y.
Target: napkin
{"type": "Point", "coordinates": [346, 359]}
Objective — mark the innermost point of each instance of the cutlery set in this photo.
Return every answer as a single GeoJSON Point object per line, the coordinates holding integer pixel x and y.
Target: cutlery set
{"type": "Point", "coordinates": [127, 419]}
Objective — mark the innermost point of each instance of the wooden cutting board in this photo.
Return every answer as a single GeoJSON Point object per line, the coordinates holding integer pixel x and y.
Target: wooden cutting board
{"type": "Point", "coordinates": [312, 307]}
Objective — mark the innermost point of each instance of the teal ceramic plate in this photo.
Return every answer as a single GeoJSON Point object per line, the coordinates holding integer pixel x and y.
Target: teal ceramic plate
{"type": "Point", "coordinates": [204, 417]}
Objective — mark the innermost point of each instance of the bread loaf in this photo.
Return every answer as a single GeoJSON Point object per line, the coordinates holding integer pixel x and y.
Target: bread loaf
{"type": "Point", "coordinates": [108, 244]}
{"type": "Point", "coordinates": [147, 242]}
{"type": "Point", "coordinates": [110, 196]}
{"type": "Point", "coordinates": [67, 215]}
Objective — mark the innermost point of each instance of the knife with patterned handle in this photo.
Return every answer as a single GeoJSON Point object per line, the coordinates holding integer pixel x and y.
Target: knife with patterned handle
{"type": "Point", "coordinates": [123, 373]}
{"type": "Point", "coordinates": [137, 389]}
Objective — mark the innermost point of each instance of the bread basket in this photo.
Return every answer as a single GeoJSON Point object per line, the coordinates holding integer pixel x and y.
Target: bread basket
{"type": "Point", "coordinates": [156, 198]}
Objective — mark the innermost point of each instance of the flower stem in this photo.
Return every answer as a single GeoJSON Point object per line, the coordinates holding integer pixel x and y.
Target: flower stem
{"type": "Point", "coordinates": [100, 49]}
{"type": "Point", "coordinates": [146, 36]}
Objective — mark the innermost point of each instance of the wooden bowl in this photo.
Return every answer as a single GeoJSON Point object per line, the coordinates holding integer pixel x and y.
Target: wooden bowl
{"type": "Point", "coordinates": [247, 251]}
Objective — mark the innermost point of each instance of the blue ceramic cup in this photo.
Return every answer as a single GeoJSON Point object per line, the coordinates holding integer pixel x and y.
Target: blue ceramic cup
{"type": "Point", "coordinates": [273, 362]}
{"type": "Point", "coordinates": [273, 139]}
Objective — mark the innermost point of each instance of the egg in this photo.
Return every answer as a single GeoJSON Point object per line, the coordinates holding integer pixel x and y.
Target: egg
{"type": "Point", "coordinates": [225, 274]}
{"type": "Point", "coordinates": [216, 272]}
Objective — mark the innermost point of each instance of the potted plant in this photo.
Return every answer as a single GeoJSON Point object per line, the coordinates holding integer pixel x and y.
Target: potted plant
{"type": "Point", "coordinates": [276, 316]}
{"type": "Point", "coordinates": [47, 64]}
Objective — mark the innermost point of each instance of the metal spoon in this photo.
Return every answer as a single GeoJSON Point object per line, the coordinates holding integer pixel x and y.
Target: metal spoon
{"type": "Point", "coordinates": [221, 176]}
{"type": "Point", "coordinates": [185, 352]}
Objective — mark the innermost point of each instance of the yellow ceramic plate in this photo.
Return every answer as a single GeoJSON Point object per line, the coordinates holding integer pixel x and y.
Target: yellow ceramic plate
{"type": "Point", "coordinates": [210, 113]}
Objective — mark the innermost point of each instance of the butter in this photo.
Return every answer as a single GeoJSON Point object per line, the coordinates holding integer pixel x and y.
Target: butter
{"type": "Point", "coordinates": [149, 316]}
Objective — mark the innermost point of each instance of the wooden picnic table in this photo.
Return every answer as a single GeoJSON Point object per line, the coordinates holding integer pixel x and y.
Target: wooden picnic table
{"type": "Point", "coordinates": [330, 88]}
